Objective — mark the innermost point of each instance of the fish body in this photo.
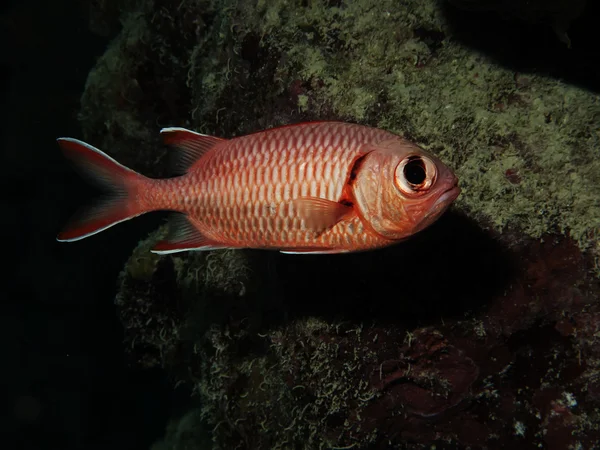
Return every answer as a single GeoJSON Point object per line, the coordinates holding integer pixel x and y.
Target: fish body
{"type": "Point", "coordinates": [318, 187]}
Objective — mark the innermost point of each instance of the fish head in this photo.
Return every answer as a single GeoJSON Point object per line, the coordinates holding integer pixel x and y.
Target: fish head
{"type": "Point", "coordinates": [400, 188]}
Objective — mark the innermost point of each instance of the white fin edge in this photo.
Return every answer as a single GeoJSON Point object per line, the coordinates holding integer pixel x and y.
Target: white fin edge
{"type": "Point", "coordinates": [316, 252]}
{"type": "Point", "coordinates": [191, 249]}
{"type": "Point", "coordinates": [99, 230]}
{"type": "Point", "coordinates": [95, 150]}
{"type": "Point", "coordinates": [169, 129]}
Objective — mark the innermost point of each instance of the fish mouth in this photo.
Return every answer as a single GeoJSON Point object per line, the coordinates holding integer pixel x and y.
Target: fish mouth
{"type": "Point", "coordinates": [439, 207]}
{"type": "Point", "coordinates": [444, 201]}
{"type": "Point", "coordinates": [447, 196]}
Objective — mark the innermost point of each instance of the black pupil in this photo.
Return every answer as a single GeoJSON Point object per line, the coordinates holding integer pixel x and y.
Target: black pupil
{"type": "Point", "coordinates": [414, 171]}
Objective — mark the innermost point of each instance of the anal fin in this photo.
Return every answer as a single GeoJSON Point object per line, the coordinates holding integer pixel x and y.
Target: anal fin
{"type": "Point", "coordinates": [184, 236]}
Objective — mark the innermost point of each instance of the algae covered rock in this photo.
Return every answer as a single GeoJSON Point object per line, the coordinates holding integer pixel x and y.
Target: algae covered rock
{"type": "Point", "coordinates": [481, 332]}
{"type": "Point", "coordinates": [161, 300]}
{"type": "Point", "coordinates": [523, 144]}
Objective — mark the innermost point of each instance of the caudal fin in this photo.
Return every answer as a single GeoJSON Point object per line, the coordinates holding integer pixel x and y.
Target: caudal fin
{"type": "Point", "coordinates": [122, 183]}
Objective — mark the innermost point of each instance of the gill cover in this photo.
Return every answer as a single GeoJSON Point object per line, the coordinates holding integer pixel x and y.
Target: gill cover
{"type": "Point", "coordinates": [397, 184]}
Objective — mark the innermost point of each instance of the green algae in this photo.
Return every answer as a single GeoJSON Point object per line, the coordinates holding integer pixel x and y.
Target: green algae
{"type": "Point", "coordinates": [165, 302]}
{"type": "Point", "coordinates": [308, 390]}
{"type": "Point", "coordinates": [482, 118]}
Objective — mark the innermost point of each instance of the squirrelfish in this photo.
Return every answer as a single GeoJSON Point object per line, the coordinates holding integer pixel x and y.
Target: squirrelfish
{"type": "Point", "coordinates": [317, 187]}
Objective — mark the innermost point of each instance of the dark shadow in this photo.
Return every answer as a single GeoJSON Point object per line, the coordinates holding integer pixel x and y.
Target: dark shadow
{"type": "Point", "coordinates": [444, 271]}
{"type": "Point", "coordinates": [525, 46]}
{"type": "Point", "coordinates": [66, 381]}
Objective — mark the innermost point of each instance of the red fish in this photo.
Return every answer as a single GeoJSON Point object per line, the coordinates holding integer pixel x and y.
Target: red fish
{"type": "Point", "coordinates": [317, 187]}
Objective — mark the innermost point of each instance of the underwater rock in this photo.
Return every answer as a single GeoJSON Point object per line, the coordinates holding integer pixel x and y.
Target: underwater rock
{"type": "Point", "coordinates": [480, 332]}
{"type": "Point", "coordinates": [233, 68]}
{"type": "Point", "coordinates": [158, 295]}
{"type": "Point", "coordinates": [520, 369]}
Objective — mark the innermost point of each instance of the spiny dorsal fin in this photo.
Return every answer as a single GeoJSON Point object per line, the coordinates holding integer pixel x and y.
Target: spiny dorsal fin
{"type": "Point", "coordinates": [190, 146]}
{"type": "Point", "coordinates": [183, 236]}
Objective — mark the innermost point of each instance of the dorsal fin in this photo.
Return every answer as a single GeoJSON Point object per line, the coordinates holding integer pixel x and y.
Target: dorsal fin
{"type": "Point", "coordinates": [189, 146]}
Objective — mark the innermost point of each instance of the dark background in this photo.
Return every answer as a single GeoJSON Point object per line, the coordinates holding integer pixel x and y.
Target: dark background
{"type": "Point", "coordinates": [64, 378]}
{"type": "Point", "coordinates": [66, 383]}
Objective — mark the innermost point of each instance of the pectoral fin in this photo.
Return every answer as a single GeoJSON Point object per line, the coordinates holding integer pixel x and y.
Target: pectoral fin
{"type": "Point", "coordinates": [319, 214]}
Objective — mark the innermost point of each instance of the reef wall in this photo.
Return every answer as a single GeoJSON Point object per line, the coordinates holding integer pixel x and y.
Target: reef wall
{"type": "Point", "coordinates": [482, 332]}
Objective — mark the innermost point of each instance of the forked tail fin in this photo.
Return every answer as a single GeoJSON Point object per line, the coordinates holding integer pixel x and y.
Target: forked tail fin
{"type": "Point", "coordinates": [122, 183]}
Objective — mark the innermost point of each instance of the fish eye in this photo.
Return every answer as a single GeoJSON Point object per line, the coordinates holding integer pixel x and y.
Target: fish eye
{"type": "Point", "coordinates": [415, 174]}
{"type": "Point", "coordinates": [414, 171]}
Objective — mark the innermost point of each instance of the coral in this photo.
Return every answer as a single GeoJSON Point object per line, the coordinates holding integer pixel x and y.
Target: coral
{"type": "Point", "coordinates": [480, 332]}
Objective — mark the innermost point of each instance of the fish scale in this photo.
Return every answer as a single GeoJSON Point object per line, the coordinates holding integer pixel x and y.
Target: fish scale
{"type": "Point", "coordinates": [324, 187]}
{"type": "Point", "coordinates": [260, 220]}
